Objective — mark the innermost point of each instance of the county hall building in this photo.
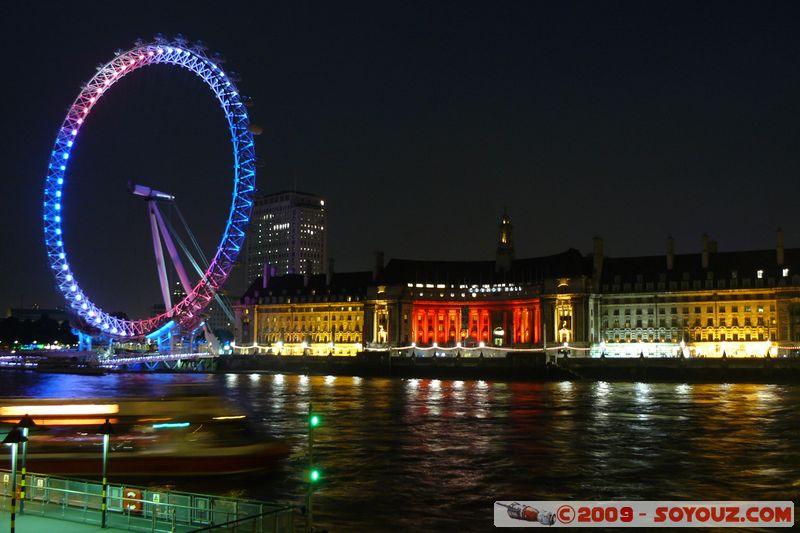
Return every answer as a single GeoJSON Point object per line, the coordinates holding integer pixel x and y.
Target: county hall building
{"type": "Point", "coordinates": [704, 304]}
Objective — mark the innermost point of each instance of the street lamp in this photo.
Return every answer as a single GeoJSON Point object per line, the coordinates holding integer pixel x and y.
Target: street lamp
{"type": "Point", "coordinates": [13, 439]}
{"type": "Point", "coordinates": [106, 430]}
{"type": "Point", "coordinates": [25, 423]}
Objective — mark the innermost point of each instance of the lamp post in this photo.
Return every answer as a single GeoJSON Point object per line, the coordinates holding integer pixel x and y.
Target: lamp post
{"type": "Point", "coordinates": [106, 430]}
{"type": "Point", "coordinates": [13, 439]}
{"type": "Point", "coordinates": [25, 423]}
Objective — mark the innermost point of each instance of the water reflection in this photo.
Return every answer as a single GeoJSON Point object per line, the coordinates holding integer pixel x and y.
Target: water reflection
{"type": "Point", "coordinates": [435, 452]}
{"type": "Point", "coordinates": [302, 385]}
{"type": "Point", "coordinates": [642, 393]}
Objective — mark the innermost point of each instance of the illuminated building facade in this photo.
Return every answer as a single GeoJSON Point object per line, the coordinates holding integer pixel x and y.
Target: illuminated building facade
{"type": "Point", "coordinates": [287, 231]}
{"type": "Point", "coordinates": [294, 314]}
{"type": "Point", "coordinates": [469, 303]}
{"type": "Point", "coordinates": [706, 304]}
{"type": "Point", "coordinates": [516, 303]}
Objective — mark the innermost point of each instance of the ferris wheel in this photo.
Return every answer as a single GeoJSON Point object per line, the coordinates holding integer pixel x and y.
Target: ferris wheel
{"type": "Point", "coordinates": [186, 313]}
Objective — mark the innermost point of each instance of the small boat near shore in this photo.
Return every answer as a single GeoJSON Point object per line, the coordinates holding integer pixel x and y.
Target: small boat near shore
{"type": "Point", "coordinates": [177, 437]}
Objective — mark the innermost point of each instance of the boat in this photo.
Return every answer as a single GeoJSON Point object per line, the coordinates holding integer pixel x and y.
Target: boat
{"type": "Point", "coordinates": [174, 437]}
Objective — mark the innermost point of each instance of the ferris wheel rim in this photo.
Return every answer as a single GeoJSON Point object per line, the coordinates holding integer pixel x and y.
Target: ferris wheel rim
{"type": "Point", "coordinates": [187, 311]}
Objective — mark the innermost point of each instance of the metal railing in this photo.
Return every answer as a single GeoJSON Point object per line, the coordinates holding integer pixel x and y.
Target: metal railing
{"type": "Point", "coordinates": [145, 509]}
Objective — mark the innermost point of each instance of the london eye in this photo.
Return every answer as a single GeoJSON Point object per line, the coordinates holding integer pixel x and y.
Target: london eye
{"type": "Point", "coordinates": [187, 313]}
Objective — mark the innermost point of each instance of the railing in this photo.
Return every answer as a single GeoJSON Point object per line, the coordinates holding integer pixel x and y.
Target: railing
{"type": "Point", "coordinates": [251, 524]}
{"type": "Point", "coordinates": [143, 509]}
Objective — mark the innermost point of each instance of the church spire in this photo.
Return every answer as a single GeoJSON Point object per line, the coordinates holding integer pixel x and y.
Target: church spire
{"type": "Point", "coordinates": [505, 246]}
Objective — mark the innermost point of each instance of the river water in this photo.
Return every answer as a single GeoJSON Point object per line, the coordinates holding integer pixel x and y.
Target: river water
{"type": "Point", "coordinates": [419, 455]}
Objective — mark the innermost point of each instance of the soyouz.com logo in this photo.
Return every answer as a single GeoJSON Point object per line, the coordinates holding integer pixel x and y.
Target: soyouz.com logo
{"type": "Point", "coordinates": [644, 514]}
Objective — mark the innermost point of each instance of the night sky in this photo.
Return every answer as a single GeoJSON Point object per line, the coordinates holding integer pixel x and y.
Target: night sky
{"type": "Point", "coordinates": [417, 121]}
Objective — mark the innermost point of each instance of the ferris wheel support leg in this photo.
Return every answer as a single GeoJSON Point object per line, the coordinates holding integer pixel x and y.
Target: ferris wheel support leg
{"type": "Point", "coordinates": [84, 340]}
{"type": "Point", "coordinates": [162, 269]}
{"type": "Point", "coordinates": [166, 342]}
{"type": "Point", "coordinates": [173, 252]}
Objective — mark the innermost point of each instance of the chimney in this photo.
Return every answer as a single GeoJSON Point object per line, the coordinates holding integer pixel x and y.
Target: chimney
{"type": "Point", "coordinates": [705, 250]}
{"type": "Point", "coordinates": [378, 268]}
{"type": "Point", "coordinates": [670, 253]}
{"type": "Point", "coordinates": [266, 275]}
{"type": "Point", "coordinates": [597, 257]}
{"type": "Point", "coordinates": [779, 249]}
{"type": "Point", "coordinates": [329, 272]}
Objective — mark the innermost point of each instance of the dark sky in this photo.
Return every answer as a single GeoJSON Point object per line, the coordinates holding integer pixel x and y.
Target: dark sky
{"type": "Point", "coordinates": [418, 121]}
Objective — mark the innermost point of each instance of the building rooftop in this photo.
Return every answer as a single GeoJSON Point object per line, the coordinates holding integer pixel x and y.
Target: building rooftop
{"type": "Point", "coordinates": [342, 283]}
{"type": "Point", "coordinates": [721, 265]}
{"type": "Point", "coordinates": [531, 270]}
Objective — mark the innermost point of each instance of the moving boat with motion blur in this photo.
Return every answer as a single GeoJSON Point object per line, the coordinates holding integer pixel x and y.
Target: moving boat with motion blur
{"type": "Point", "coordinates": [171, 437]}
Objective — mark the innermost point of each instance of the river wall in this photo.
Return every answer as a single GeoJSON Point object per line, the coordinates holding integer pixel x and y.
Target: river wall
{"type": "Point", "coordinates": [528, 367]}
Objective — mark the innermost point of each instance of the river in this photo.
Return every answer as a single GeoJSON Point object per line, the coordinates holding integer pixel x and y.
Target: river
{"type": "Point", "coordinates": [406, 454]}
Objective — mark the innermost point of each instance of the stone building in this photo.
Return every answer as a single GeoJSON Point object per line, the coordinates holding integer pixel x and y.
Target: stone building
{"type": "Point", "coordinates": [710, 303]}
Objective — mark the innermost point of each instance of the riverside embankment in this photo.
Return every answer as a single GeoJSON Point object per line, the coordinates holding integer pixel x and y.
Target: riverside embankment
{"type": "Point", "coordinates": [529, 367]}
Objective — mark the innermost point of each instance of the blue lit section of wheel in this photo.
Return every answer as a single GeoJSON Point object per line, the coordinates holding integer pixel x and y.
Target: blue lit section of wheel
{"type": "Point", "coordinates": [187, 312]}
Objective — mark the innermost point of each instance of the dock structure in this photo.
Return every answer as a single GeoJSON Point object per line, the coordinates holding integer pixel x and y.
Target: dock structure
{"type": "Point", "coordinates": [95, 364]}
{"type": "Point", "coordinates": [74, 505]}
